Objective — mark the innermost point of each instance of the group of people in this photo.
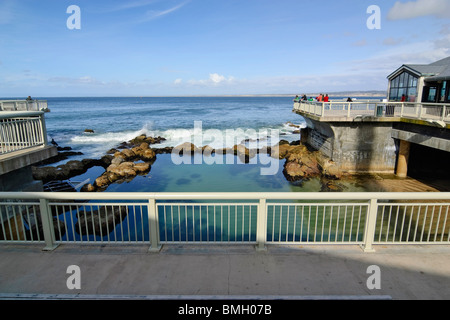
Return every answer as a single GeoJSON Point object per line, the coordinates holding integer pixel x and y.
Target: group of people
{"type": "Point", "coordinates": [320, 98]}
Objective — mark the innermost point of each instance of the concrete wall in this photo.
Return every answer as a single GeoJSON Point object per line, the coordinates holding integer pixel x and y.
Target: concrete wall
{"type": "Point", "coordinates": [355, 147]}
{"type": "Point", "coordinates": [24, 158]}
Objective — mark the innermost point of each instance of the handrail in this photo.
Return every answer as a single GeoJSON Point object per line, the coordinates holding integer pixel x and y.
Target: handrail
{"type": "Point", "coordinates": [414, 110]}
{"type": "Point", "coordinates": [228, 195]}
{"type": "Point", "coordinates": [363, 226]}
{"type": "Point", "coordinates": [27, 105]}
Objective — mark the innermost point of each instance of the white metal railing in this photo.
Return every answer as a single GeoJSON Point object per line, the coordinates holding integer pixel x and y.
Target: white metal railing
{"type": "Point", "coordinates": [21, 132]}
{"type": "Point", "coordinates": [23, 105]}
{"type": "Point", "coordinates": [251, 218]}
{"type": "Point", "coordinates": [423, 111]}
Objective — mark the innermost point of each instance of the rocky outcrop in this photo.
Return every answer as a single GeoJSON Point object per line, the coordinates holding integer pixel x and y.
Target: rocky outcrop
{"type": "Point", "coordinates": [125, 164]}
{"type": "Point", "coordinates": [302, 163]}
{"type": "Point", "coordinates": [68, 170]}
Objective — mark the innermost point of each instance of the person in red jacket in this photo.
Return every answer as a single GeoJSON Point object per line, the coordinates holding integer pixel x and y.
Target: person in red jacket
{"type": "Point", "coordinates": [326, 99]}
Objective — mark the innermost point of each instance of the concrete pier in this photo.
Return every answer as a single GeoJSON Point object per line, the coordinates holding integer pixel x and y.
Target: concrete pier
{"type": "Point", "coordinates": [374, 137]}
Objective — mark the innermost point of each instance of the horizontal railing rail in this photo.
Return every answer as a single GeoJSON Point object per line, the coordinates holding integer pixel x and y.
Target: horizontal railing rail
{"type": "Point", "coordinates": [18, 133]}
{"type": "Point", "coordinates": [414, 110]}
{"type": "Point", "coordinates": [23, 105]}
{"type": "Point", "coordinates": [259, 219]}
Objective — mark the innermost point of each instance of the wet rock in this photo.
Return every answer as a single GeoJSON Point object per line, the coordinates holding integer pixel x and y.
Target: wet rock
{"type": "Point", "coordinates": [148, 154]}
{"type": "Point", "coordinates": [331, 186]}
{"type": "Point", "coordinates": [102, 221]}
{"type": "Point", "coordinates": [186, 148]}
{"type": "Point", "coordinates": [87, 188]}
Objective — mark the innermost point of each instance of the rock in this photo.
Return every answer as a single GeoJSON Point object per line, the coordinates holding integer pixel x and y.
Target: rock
{"type": "Point", "coordinates": [293, 171]}
{"type": "Point", "coordinates": [102, 181]}
{"type": "Point", "coordinates": [112, 151]}
{"type": "Point", "coordinates": [142, 167]}
{"type": "Point", "coordinates": [300, 163]}
{"type": "Point", "coordinates": [102, 221]}
{"type": "Point", "coordinates": [117, 160]}
{"type": "Point", "coordinates": [165, 150]}
{"type": "Point", "coordinates": [63, 148]}
{"type": "Point", "coordinates": [148, 154]}
{"type": "Point", "coordinates": [330, 170]}
{"type": "Point", "coordinates": [123, 170]}
{"type": "Point", "coordinates": [331, 186]}
{"type": "Point", "coordinates": [208, 150]}
{"type": "Point", "coordinates": [128, 154]}
{"type": "Point", "coordinates": [186, 148]}
{"type": "Point", "coordinates": [89, 131]}
{"type": "Point", "coordinates": [88, 188]}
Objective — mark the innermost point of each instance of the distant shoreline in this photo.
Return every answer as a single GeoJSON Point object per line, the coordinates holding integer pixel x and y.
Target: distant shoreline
{"type": "Point", "coordinates": [369, 94]}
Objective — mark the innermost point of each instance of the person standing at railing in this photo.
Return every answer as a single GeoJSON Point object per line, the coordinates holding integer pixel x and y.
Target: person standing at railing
{"type": "Point", "coordinates": [320, 98]}
{"type": "Point", "coordinates": [29, 99]}
{"type": "Point", "coordinates": [326, 99]}
{"type": "Point", "coordinates": [304, 98]}
{"type": "Point", "coordinates": [297, 99]}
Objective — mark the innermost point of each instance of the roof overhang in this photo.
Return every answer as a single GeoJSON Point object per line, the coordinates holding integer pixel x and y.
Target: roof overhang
{"type": "Point", "coordinates": [402, 69]}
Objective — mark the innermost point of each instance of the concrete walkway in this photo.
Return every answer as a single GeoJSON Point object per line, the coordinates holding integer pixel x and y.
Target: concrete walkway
{"type": "Point", "coordinates": [293, 272]}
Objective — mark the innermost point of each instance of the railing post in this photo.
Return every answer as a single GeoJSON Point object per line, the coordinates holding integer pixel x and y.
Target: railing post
{"type": "Point", "coordinates": [371, 220]}
{"type": "Point", "coordinates": [261, 226]}
{"type": "Point", "coordinates": [348, 111]}
{"type": "Point", "coordinates": [153, 225]}
{"type": "Point", "coordinates": [43, 130]}
{"type": "Point", "coordinates": [443, 112]}
{"type": "Point", "coordinates": [47, 226]}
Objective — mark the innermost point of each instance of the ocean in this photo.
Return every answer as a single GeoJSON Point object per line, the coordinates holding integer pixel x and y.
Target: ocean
{"type": "Point", "coordinates": [253, 121]}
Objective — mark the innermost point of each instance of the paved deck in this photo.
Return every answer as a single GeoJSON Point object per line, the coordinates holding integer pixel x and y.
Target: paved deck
{"type": "Point", "coordinates": [294, 272]}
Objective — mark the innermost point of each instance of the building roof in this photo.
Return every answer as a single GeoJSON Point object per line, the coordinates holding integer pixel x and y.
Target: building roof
{"type": "Point", "coordinates": [439, 70]}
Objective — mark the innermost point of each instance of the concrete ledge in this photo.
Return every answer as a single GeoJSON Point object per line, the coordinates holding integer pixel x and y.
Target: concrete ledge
{"type": "Point", "coordinates": [26, 157]}
{"type": "Point", "coordinates": [422, 139]}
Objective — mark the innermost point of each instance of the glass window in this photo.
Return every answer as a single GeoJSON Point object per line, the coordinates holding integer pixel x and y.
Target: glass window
{"type": "Point", "coordinates": [432, 94]}
{"type": "Point", "coordinates": [412, 94]}
{"type": "Point", "coordinates": [395, 82]}
{"type": "Point", "coordinates": [448, 95]}
{"type": "Point", "coordinates": [442, 95]}
{"type": "Point", "coordinates": [401, 82]}
{"type": "Point", "coordinates": [406, 84]}
{"type": "Point", "coordinates": [393, 95]}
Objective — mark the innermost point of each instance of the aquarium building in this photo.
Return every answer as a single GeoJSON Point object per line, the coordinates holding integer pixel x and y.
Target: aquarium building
{"type": "Point", "coordinates": [428, 83]}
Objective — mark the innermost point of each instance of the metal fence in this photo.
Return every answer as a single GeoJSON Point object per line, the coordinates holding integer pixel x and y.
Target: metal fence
{"type": "Point", "coordinates": [21, 132]}
{"type": "Point", "coordinates": [225, 218]}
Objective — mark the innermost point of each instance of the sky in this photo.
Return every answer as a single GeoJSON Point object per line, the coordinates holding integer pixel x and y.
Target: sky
{"type": "Point", "coordinates": [213, 47]}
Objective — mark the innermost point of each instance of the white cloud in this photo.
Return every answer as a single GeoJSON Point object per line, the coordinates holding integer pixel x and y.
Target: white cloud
{"type": "Point", "coordinates": [214, 79]}
{"type": "Point", "coordinates": [360, 43]}
{"type": "Point", "coordinates": [132, 5]}
{"type": "Point", "coordinates": [419, 8]}
{"type": "Point", "coordinates": [152, 14]}
{"type": "Point", "coordinates": [86, 80]}
{"type": "Point", "coordinates": [178, 81]}
{"type": "Point", "coordinates": [392, 41]}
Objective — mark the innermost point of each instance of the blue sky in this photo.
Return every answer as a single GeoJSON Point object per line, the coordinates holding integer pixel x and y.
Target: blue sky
{"type": "Point", "coordinates": [212, 47]}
